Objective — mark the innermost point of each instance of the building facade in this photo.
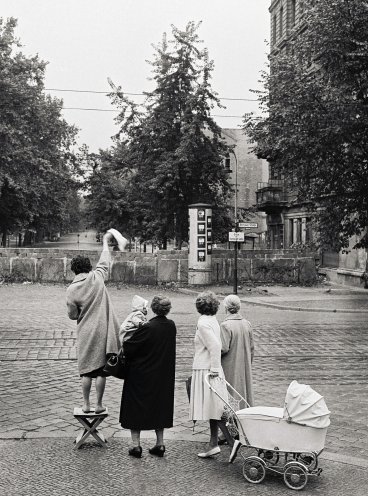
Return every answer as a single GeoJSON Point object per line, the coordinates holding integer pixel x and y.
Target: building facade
{"type": "Point", "coordinates": [288, 222]}
{"type": "Point", "coordinates": [247, 171]}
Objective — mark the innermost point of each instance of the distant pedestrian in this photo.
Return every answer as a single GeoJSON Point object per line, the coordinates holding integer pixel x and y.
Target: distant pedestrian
{"type": "Point", "coordinates": [237, 349]}
{"type": "Point", "coordinates": [88, 303]}
{"type": "Point", "coordinates": [136, 318]}
{"type": "Point", "coordinates": [147, 401]}
{"type": "Point", "coordinates": [204, 403]}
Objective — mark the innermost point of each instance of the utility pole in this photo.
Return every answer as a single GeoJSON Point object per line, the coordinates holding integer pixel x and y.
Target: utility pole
{"type": "Point", "coordinates": [236, 225]}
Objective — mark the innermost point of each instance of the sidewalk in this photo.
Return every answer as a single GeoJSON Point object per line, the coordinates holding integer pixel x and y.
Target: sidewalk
{"type": "Point", "coordinates": [40, 387]}
{"type": "Point", "coordinates": [337, 299]}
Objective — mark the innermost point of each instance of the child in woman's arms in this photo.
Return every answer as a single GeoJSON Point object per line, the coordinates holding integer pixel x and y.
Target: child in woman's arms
{"type": "Point", "coordinates": [135, 319]}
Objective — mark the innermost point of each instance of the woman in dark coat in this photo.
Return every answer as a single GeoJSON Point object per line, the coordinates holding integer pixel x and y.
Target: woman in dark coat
{"type": "Point", "coordinates": [148, 394]}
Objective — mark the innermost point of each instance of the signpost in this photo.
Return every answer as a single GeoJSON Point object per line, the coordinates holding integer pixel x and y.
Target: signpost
{"type": "Point", "coordinates": [237, 237]}
{"type": "Point", "coordinates": [248, 225]}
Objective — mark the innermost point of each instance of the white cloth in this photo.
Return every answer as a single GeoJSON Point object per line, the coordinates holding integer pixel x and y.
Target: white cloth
{"type": "Point", "coordinates": [122, 242]}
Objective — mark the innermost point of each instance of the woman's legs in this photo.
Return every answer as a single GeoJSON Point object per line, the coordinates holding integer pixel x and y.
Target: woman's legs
{"type": "Point", "coordinates": [228, 437]}
{"type": "Point", "coordinates": [159, 437]}
{"type": "Point", "coordinates": [100, 389]}
{"type": "Point", "coordinates": [136, 437]}
{"type": "Point", "coordinates": [136, 451]}
{"type": "Point", "coordinates": [213, 433]}
{"type": "Point", "coordinates": [213, 447]}
{"type": "Point", "coordinates": [86, 389]}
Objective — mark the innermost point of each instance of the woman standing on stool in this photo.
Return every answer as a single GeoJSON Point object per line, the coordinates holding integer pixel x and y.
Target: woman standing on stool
{"type": "Point", "coordinates": [147, 401]}
{"type": "Point", "coordinates": [204, 404]}
{"type": "Point", "coordinates": [88, 303]}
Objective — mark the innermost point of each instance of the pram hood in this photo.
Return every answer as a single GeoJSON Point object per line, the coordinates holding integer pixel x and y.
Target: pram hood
{"type": "Point", "coordinates": [305, 406]}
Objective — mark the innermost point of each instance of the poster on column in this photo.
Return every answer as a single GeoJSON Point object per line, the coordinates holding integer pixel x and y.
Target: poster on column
{"type": "Point", "coordinates": [201, 228]}
{"type": "Point", "coordinates": [201, 241]}
{"type": "Point", "coordinates": [201, 256]}
{"type": "Point", "coordinates": [201, 214]}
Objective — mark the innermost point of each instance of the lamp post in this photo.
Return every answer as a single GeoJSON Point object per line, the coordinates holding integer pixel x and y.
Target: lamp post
{"type": "Point", "coordinates": [236, 225]}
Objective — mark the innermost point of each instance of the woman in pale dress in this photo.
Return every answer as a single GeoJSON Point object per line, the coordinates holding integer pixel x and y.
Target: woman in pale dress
{"type": "Point", "coordinates": [205, 404]}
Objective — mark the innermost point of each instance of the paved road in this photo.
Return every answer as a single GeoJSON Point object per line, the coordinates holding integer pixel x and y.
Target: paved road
{"type": "Point", "coordinates": [40, 387]}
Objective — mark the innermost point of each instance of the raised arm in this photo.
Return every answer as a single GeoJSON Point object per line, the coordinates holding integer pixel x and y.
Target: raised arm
{"type": "Point", "coordinates": [102, 267]}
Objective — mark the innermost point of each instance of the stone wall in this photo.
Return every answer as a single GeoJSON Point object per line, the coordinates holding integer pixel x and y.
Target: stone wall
{"type": "Point", "coordinates": [261, 266]}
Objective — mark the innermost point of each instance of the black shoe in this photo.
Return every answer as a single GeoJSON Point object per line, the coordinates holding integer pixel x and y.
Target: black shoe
{"type": "Point", "coordinates": [136, 451]}
{"type": "Point", "coordinates": [157, 450]}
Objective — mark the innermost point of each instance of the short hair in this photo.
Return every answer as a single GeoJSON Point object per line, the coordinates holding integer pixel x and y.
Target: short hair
{"type": "Point", "coordinates": [80, 265]}
{"type": "Point", "coordinates": [207, 303]}
{"type": "Point", "coordinates": [161, 305]}
{"type": "Point", "coordinates": [232, 303]}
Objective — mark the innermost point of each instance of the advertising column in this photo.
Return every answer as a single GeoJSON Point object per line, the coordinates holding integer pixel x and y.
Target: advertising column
{"type": "Point", "coordinates": [200, 244]}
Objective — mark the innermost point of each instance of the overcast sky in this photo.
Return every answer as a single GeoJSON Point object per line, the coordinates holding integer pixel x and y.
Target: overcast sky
{"type": "Point", "coordinates": [87, 41]}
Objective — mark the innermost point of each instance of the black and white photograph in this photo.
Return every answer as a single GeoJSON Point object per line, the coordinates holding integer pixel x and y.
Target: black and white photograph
{"type": "Point", "coordinates": [183, 247]}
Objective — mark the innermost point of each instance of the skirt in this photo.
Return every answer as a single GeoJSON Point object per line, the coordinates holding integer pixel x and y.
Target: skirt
{"type": "Point", "coordinates": [204, 403]}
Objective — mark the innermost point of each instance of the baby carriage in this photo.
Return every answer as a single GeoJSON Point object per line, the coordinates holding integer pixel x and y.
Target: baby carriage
{"type": "Point", "coordinates": [285, 440]}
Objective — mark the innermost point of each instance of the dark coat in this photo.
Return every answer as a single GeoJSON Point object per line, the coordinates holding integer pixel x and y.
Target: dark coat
{"type": "Point", "coordinates": [148, 394]}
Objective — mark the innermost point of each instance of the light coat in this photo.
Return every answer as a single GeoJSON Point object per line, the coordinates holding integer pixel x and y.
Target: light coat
{"type": "Point", "coordinates": [88, 303]}
{"type": "Point", "coordinates": [207, 344]}
{"type": "Point", "coordinates": [237, 354]}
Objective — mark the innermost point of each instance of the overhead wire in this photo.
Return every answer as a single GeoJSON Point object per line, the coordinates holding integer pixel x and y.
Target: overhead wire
{"type": "Point", "coordinates": [137, 94]}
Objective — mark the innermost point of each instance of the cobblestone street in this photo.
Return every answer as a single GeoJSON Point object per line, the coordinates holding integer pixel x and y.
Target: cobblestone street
{"type": "Point", "coordinates": [40, 387]}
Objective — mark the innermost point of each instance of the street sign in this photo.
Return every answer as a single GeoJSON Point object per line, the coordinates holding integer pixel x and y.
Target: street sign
{"type": "Point", "coordinates": [236, 236]}
{"type": "Point", "coordinates": [248, 225]}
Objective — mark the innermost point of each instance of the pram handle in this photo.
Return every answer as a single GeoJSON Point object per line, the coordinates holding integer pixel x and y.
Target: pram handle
{"type": "Point", "coordinates": [206, 378]}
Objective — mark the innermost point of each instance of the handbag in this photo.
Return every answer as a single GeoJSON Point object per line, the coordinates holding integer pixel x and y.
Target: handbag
{"type": "Point", "coordinates": [116, 365]}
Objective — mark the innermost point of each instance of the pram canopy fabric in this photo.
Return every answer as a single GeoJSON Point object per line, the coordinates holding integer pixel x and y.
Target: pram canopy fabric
{"type": "Point", "coordinates": [305, 406]}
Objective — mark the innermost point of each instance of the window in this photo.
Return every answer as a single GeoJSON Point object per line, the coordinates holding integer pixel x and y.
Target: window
{"type": "Point", "coordinates": [281, 29]}
{"type": "Point", "coordinates": [292, 12]}
{"type": "Point", "coordinates": [227, 164]}
{"type": "Point", "coordinates": [274, 29]}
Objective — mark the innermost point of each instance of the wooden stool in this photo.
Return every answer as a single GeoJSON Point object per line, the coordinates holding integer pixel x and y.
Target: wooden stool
{"type": "Point", "coordinates": [90, 426]}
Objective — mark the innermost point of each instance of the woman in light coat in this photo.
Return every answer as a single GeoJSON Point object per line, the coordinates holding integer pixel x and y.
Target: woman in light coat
{"type": "Point", "coordinates": [237, 349]}
{"type": "Point", "coordinates": [88, 303]}
{"type": "Point", "coordinates": [204, 404]}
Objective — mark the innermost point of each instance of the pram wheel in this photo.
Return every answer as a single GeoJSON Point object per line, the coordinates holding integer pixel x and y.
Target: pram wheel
{"type": "Point", "coordinates": [254, 469]}
{"type": "Point", "coordinates": [295, 475]}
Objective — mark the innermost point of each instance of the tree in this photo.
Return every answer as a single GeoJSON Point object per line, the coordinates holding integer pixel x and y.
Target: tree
{"type": "Point", "coordinates": [36, 164]}
{"type": "Point", "coordinates": [107, 200]}
{"type": "Point", "coordinates": [173, 149]}
{"type": "Point", "coordinates": [315, 117]}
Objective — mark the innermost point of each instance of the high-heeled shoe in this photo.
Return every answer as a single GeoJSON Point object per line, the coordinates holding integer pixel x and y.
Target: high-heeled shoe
{"type": "Point", "coordinates": [211, 452]}
{"type": "Point", "coordinates": [157, 450]}
{"type": "Point", "coordinates": [136, 451]}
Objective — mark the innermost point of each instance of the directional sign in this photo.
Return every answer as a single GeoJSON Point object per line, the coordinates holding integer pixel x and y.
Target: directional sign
{"type": "Point", "coordinates": [236, 236]}
{"type": "Point", "coordinates": [248, 225]}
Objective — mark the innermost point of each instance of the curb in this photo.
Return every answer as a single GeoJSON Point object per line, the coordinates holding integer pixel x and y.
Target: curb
{"type": "Point", "coordinates": [199, 438]}
{"type": "Point", "coordinates": [276, 306]}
